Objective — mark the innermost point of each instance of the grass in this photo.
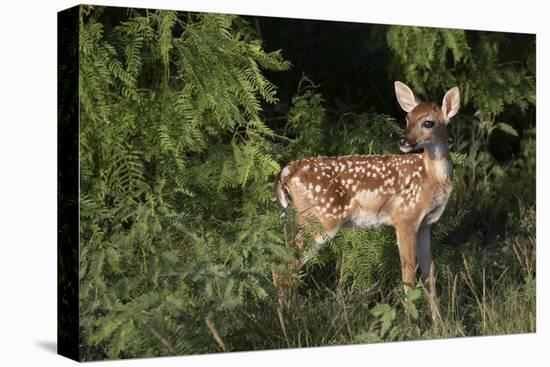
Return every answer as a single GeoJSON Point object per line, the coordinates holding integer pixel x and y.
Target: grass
{"type": "Point", "coordinates": [492, 293]}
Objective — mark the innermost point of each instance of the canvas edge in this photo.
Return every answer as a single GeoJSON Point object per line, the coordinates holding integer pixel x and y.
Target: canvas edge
{"type": "Point", "coordinates": [68, 183]}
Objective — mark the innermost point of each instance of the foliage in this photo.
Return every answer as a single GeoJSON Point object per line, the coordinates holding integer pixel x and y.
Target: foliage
{"type": "Point", "coordinates": [434, 59]}
{"type": "Point", "coordinates": [179, 149]}
{"type": "Point", "coordinates": [176, 168]}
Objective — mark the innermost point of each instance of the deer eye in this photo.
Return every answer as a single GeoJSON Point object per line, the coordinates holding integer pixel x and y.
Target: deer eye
{"type": "Point", "coordinates": [428, 124]}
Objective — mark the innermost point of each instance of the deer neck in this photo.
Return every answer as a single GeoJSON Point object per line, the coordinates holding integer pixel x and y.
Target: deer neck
{"type": "Point", "coordinates": [438, 161]}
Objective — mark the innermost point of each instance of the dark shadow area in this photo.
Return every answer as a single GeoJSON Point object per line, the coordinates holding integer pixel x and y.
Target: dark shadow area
{"type": "Point", "coordinates": [48, 345]}
{"type": "Point", "coordinates": [67, 182]}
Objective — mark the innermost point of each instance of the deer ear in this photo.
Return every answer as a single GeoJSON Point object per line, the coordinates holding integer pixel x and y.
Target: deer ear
{"type": "Point", "coordinates": [405, 96]}
{"type": "Point", "coordinates": [451, 103]}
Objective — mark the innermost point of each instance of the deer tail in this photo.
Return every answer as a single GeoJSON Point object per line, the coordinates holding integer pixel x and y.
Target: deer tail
{"type": "Point", "coordinates": [281, 194]}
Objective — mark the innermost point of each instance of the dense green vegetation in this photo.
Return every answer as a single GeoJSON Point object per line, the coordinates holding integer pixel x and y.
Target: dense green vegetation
{"type": "Point", "coordinates": [183, 130]}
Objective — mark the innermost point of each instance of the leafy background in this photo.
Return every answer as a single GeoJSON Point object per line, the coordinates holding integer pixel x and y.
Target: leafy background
{"type": "Point", "coordinates": [186, 118]}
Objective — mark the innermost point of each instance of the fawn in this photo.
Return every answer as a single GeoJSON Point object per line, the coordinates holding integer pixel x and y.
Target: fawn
{"type": "Point", "coordinates": [407, 191]}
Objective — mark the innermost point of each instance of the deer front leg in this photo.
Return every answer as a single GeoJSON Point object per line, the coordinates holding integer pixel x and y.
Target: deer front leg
{"type": "Point", "coordinates": [427, 266]}
{"type": "Point", "coordinates": [424, 255]}
{"type": "Point", "coordinates": [406, 242]}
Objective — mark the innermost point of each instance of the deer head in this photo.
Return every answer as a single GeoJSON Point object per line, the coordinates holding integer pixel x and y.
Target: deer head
{"type": "Point", "coordinates": [426, 121]}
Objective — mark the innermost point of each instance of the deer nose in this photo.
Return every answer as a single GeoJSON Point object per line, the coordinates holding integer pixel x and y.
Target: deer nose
{"type": "Point", "coordinates": [402, 140]}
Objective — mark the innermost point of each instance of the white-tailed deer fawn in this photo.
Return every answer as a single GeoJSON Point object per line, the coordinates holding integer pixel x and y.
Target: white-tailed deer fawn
{"type": "Point", "coordinates": [407, 191]}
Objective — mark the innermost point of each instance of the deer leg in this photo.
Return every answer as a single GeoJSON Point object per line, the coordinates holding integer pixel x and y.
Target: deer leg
{"type": "Point", "coordinates": [427, 266]}
{"type": "Point", "coordinates": [321, 237]}
{"type": "Point", "coordinates": [285, 284]}
{"type": "Point", "coordinates": [406, 242]}
{"type": "Point", "coordinates": [424, 256]}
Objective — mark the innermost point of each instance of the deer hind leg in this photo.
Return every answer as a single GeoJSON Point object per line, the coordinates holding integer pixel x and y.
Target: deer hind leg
{"type": "Point", "coordinates": [427, 266]}
{"type": "Point", "coordinates": [321, 238]}
{"type": "Point", "coordinates": [286, 284]}
{"type": "Point", "coordinates": [406, 242]}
